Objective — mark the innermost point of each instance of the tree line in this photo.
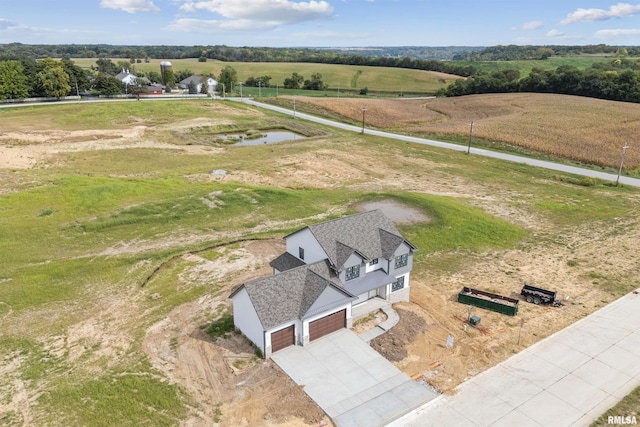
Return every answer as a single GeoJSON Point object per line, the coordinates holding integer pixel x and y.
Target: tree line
{"type": "Point", "coordinates": [528, 52]}
{"type": "Point", "coordinates": [618, 80]}
{"type": "Point", "coordinates": [231, 54]}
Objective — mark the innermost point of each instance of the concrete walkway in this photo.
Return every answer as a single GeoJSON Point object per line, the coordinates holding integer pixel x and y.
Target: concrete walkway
{"type": "Point", "coordinates": [567, 379]}
{"type": "Point", "coordinates": [392, 320]}
{"type": "Point", "coordinates": [350, 381]}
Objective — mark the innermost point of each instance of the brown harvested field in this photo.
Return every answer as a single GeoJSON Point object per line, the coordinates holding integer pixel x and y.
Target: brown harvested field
{"type": "Point", "coordinates": [583, 129]}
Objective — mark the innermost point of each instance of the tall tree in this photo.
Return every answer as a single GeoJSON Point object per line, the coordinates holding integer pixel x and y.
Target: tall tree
{"type": "Point", "coordinates": [13, 83]}
{"type": "Point", "coordinates": [107, 85]}
{"type": "Point", "coordinates": [54, 81]}
{"type": "Point", "coordinates": [294, 81]}
{"type": "Point", "coordinates": [228, 76]}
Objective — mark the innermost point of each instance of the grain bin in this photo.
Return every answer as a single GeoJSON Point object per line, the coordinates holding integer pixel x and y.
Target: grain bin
{"type": "Point", "coordinates": [164, 67]}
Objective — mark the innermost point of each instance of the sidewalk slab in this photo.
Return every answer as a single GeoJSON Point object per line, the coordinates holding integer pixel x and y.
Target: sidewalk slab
{"type": "Point", "coordinates": [567, 379]}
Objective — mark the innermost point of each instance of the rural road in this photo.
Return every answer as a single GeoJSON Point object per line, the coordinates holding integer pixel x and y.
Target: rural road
{"type": "Point", "coordinates": [635, 182]}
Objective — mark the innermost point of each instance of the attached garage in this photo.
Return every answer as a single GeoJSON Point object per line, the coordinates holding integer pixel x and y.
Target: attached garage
{"type": "Point", "coordinates": [326, 325]}
{"type": "Point", "coordinates": [283, 338]}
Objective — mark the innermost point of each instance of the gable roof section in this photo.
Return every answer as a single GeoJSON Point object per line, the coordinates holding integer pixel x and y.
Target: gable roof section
{"type": "Point", "coordinates": [286, 261]}
{"type": "Point", "coordinates": [371, 234]}
{"type": "Point", "coordinates": [289, 295]}
{"type": "Point", "coordinates": [191, 79]}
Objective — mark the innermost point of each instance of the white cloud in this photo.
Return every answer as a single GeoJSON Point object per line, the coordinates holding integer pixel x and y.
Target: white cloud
{"type": "Point", "coordinates": [5, 24]}
{"type": "Point", "coordinates": [619, 10]}
{"type": "Point", "coordinates": [617, 33]}
{"type": "Point", "coordinates": [555, 33]}
{"type": "Point", "coordinates": [218, 26]}
{"type": "Point", "coordinates": [533, 25]}
{"type": "Point", "coordinates": [131, 6]}
{"type": "Point", "coordinates": [250, 14]}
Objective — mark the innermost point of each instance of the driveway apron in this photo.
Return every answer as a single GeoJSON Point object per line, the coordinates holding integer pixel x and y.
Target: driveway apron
{"type": "Point", "coordinates": [351, 382]}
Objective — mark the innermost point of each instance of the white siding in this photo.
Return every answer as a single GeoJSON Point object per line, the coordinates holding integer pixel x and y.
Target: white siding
{"type": "Point", "coordinates": [246, 319]}
{"type": "Point", "coordinates": [374, 267]}
{"type": "Point", "coordinates": [330, 296]}
{"type": "Point", "coordinates": [400, 294]}
{"type": "Point", "coordinates": [304, 238]}
{"type": "Point", "coordinates": [402, 249]}
{"type": "Point", "coordinates": [351, 261]}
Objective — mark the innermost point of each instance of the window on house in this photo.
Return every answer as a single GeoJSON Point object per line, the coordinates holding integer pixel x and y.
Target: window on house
{"type": "Point", "coordinates": [401, 260]}
{"type": "Point", "coordinates": [301, 253]}
{"type": "Point", "coordinates": [352, 272]}
{"type": "Point", "coordinates": [373, 261]}
{"type": "Point", "coordinates": [398, 284]}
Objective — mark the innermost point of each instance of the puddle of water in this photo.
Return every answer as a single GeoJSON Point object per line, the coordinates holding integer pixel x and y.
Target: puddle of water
{"type": "Point", "coordinates": [396, 212]}
{"type": "Point", "coordinates": [266, 138]}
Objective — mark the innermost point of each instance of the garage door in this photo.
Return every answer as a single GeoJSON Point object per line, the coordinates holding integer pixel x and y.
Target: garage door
{"type": "Point", "coordinates": [326, 325]}
{"type": "Point", "coordinates": [282, 338]}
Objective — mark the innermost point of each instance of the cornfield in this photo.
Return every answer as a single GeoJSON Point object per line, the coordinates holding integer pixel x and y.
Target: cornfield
{"type": "Point", "coordinates": [586, 130]}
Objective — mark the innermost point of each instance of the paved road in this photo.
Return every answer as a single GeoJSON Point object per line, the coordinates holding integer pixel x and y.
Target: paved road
{"type": "Point", "coordinates": [477, 151]}
{"type": "Point", "coordinates": [635, 182]}
{"type": "Point", "coordinates": [567, 379]}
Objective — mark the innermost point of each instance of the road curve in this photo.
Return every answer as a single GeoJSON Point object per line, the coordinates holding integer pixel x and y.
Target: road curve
{"type": "Point", "coordinates": [634, 182]}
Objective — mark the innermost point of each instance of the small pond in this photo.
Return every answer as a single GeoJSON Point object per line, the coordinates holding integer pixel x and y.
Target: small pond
{"type": "Point", "coordinates": [264, 138]}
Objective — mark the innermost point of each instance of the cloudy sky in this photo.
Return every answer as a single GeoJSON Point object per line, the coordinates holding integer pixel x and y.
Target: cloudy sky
{"type": "Point", "coordinates": [352, 23]}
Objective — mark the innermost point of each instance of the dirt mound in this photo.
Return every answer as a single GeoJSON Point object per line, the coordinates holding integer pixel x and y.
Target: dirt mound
{"type": "Point", "coordinates": [392, 344]}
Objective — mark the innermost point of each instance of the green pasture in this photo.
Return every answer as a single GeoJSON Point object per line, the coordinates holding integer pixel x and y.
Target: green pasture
{"type": "Point", "coordinates": [525, 66]}
{"type": "Point", "coordinates": [339, 78]}
{"type": "Point", "coordinates": [62, 222]}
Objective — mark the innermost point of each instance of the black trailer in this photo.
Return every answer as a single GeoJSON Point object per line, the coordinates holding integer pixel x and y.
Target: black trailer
{"type": "Point", "coordinates": [538, 295]}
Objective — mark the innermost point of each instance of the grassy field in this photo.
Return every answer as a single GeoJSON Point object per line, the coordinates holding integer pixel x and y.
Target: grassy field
{"type": "Point", "coordinates": [340, 78]}
{"type": "Point", "coordinates": [82, 232]}
{"type": "Point", "coordinates": [525, 66]}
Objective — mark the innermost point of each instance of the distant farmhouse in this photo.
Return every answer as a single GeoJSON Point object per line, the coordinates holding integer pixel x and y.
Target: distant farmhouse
{"type": "Point", "coordinates": [327, 269]}
{"type": "Point", "coordinates": [126, 77]}
{"type": "Point", "coordinates": [198, 81]}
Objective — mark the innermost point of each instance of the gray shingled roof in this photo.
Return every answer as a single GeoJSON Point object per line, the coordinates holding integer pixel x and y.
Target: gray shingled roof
{"type": "Point", "coordinates": [287, 296]}
{"type": "Point", "coordinates": [371, 234]}
{"type": "Point", "coordinates": [286, 261]}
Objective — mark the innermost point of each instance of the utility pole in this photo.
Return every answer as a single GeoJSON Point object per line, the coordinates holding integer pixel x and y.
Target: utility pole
{"type": "Point", "coordinates": [470, 133]}
{"type": "Point", "coordinates": [240, 92]}
{"type": "Point", "coordinates": [363, 111]}
{"type": "Point", "coordinates": [624, 149]}
{"type": "Point", "coordinates": [260, 88]}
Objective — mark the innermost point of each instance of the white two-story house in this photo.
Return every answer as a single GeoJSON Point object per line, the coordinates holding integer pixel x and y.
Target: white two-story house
{"type": "Point", "coordinates": [326, 270]}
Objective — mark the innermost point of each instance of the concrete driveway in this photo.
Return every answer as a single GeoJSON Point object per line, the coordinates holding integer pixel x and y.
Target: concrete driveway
{"type": "Point", "coordinates": [350, 381]}
{"type": "Point", "coordinates": [567, 379]}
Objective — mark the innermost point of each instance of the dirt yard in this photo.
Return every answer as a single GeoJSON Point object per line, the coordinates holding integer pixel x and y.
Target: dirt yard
{"type": "Point", "coordinates": [252, 391]}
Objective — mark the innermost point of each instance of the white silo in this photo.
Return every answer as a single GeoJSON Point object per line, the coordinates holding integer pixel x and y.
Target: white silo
{"type": "Point", "coordinates": [164, 67]}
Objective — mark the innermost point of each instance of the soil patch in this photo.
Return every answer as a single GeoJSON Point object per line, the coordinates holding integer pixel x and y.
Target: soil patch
{"type": "Point", "coordinates": [396, 212]}
{"type": "Point", "coordinates": [392, 344]}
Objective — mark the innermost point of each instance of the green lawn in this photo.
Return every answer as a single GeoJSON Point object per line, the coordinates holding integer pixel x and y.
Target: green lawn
{"type": "Point", "coordinates": [66, 224]}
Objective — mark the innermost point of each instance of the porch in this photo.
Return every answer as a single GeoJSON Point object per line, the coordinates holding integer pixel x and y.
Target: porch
{"type": "Point", "coordinates": [370, 306]}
